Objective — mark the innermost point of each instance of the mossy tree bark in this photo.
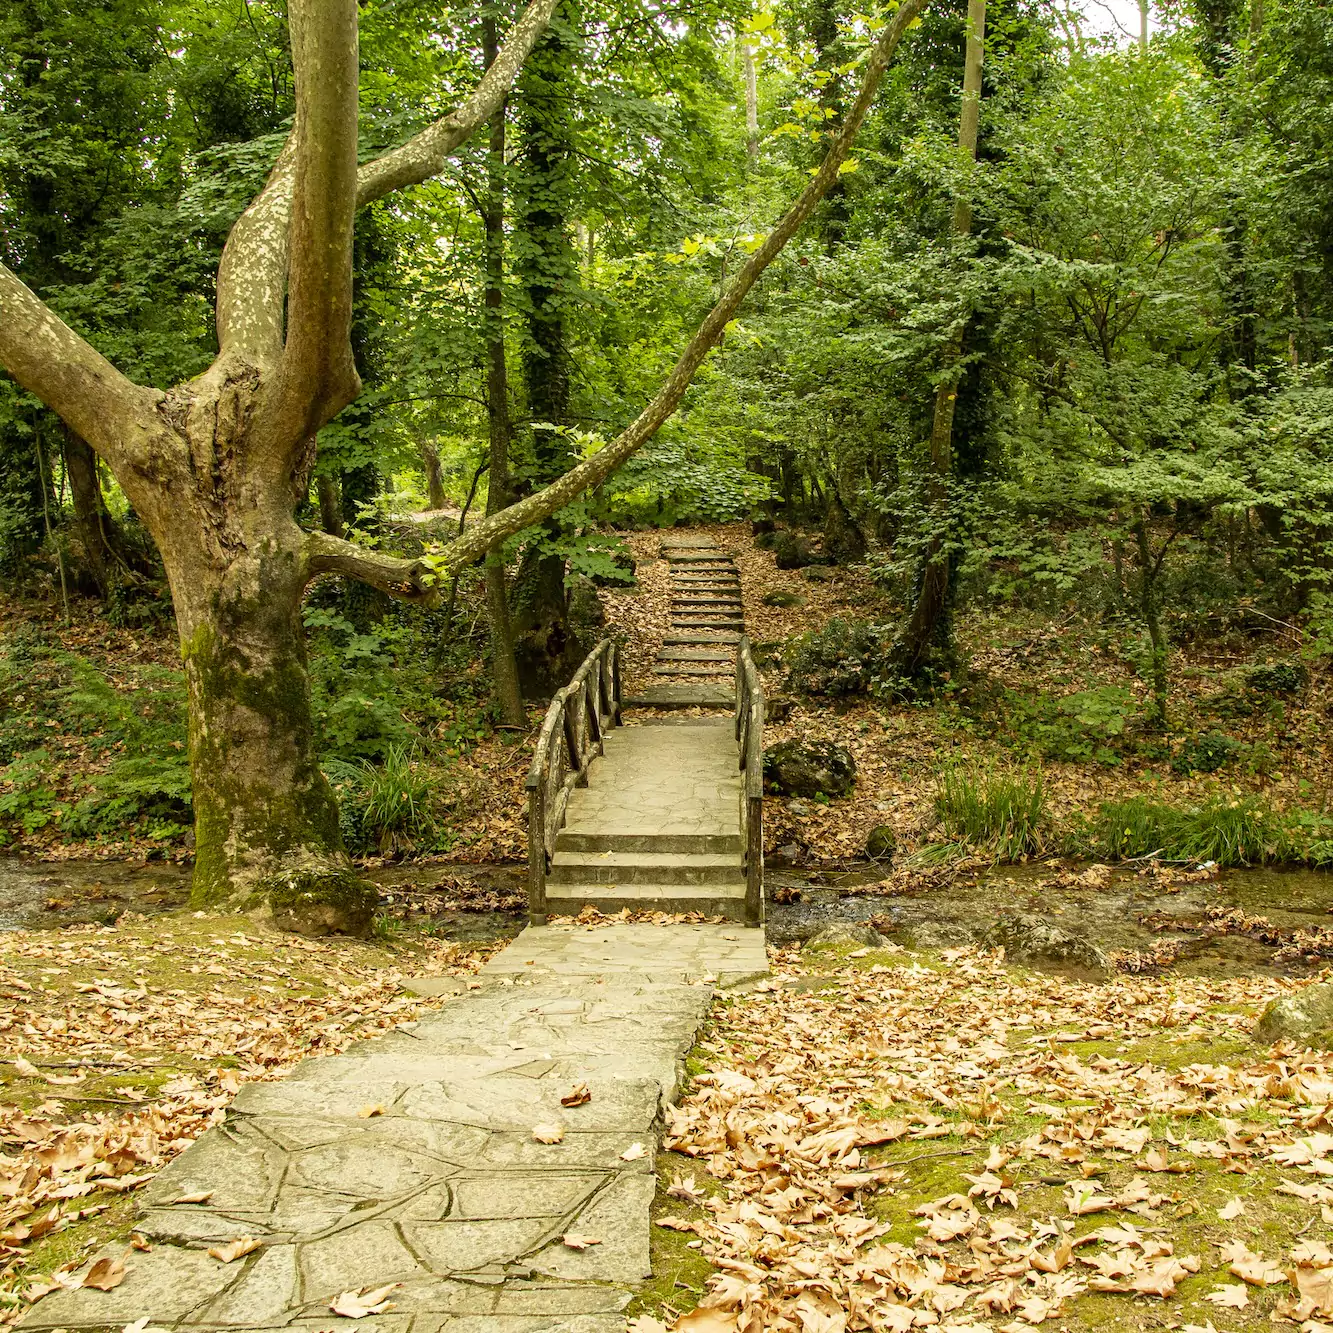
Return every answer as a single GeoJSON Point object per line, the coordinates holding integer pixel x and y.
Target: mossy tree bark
{"type": "Point", "coordinates": [504, 665]}
{"type": "Point", "coordinates": [546, 648]}
{"type": "Point", "coordinates": [217, 467]}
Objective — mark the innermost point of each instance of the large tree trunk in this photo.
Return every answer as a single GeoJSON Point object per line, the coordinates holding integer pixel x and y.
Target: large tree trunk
{"type": "Point", "coordinates": [504, 666]}
{"type": "Point", "coordinates": [266, 821]}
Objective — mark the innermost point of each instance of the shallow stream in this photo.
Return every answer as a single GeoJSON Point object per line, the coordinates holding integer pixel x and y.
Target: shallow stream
{"type": "Point", "coordinates": [1241, 921]}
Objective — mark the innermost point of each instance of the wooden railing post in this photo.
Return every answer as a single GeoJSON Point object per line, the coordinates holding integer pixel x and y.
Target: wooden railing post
{"type": "Point", "coordinates": [750, 743]}
{"type": "Point", "coordinates": [537, 851]}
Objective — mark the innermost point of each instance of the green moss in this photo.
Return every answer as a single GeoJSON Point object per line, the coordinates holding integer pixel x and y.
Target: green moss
{"type": "Point", "coordinates": [680, 1273]}
{"type": "Point", "coordinates": [239, 820]}
{"type": "Point", "coordinates": [321, 901]}
{"type": "Point", "coordinates": [75, 1242]}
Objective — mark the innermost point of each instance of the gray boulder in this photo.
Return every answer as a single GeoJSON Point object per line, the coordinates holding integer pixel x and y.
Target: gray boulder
{"type": "Point", "coordinates": [1306, 1016]}
{"type": "Point", "coordinates": [792, 551]}
{"type": "Point", "coordinates": [808, 768]}
{"type": "Point", "coordinates": [1027, 938]}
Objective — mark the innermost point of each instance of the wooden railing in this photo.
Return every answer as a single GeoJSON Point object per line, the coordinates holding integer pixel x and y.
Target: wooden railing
{"type": "Point", "coordinates": [570, 739]}
{"type": "Point", "coordinates": [750, 741]}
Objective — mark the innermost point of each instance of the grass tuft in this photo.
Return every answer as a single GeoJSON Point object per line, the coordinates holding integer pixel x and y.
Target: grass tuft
{"type": "Point", "coordinates": [999, 811]}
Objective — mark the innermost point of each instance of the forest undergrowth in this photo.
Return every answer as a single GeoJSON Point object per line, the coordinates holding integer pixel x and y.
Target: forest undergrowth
{"type": "Point", "coordinates": [120, 1045]}
{"type": "Point", "coordinates": [92, 746]}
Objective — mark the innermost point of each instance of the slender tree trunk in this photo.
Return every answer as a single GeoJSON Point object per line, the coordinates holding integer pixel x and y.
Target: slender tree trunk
{"type": "Point", "coordinates": [330, 505]}
{"type": "Point", "coordinates": [1144, 17]}
{"type": "Point", "coordinates": [751, 105]}
{"type": "Point", "coordinates": [97, 529]}
{"type": "Point", "coordinates": [504, 667]}
{"type": "Point", "coordinates": [546, 650]}
{"type": "Point", "coordinates": [1148, 571]}
{"type": "Point", "coordinates": [430, 458]}
{"type": "Point", "coordinates": [928, 633]}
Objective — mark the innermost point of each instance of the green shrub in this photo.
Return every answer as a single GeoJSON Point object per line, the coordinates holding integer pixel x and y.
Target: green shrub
{"type": "Point", "coordinates": [1208, 753]}
{"type": "Point", "coordinates": [844, 658]}
{"type": "Point", "coordinates": [1277, 678]}
{"type": "Point", "coordinates": [27, 800]}
{"type": "Point", "coordinates": [148, 778]}
{"type": "Point", "coordinates": [1085, 725]}
{"type": "Point", "coordinates": [1002, 812]}
{"type": "Point", "coordinates": [397, 800]}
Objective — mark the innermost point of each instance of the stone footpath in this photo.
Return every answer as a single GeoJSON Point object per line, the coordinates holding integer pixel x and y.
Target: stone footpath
{"type": "Point", "coordinates": [412, 1160]}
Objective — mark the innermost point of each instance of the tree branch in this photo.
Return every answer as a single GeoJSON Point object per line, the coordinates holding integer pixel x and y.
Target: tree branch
{"type": "Point", "coordinates": [115, 415]}
{"type": "Point", "coordinates": [425, 155]}
{"type": "Point", "coordinates": [533, 508]}
{"type": "Point", "coordinates": [318, 376]}
{"type": "Point", "coordinates": [408, 580]}
{"type": "Point", "coordinates": [252, 277]}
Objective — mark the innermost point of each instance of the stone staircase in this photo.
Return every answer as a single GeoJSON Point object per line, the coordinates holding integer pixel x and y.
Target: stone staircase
{"type": "Point", "coordinates": [697, 661]}
{"type": "Point", "coordinates": [654, 823]}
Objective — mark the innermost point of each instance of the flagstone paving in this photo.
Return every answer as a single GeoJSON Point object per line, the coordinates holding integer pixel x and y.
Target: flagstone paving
{"type": "Point", "coordinates": [411, 1159]}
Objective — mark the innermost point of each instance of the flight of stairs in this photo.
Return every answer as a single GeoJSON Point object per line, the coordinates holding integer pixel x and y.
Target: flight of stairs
{"type": "Point", "coordinates": [658, 826]}
{"type": "Point", "coordinates": [697, 662]}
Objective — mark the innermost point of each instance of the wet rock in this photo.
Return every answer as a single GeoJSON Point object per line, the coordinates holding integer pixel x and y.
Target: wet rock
{"type": "Point", "coordinates": [1305, 1017]}
{"type": "Point", "coordinates": [1033, 939]}
{"type": "Point", "coordinates": [843, 933]}
{"type": "Point", "coordinates": [781, 597]}
{"type": "Point", "coordinates": [808, 768]}
{"type": "Point", "coordinates": [778, 710]}
{"type": "Point", "coordinates": [817, 574]}
{"type": "Point", "coordinates": [882, 843]}
{"type": "Point", "coordinates": [321, 901]}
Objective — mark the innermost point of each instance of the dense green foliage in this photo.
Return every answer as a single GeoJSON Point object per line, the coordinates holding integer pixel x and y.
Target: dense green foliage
{"type": "Point", "coordinates": [1139, 323]}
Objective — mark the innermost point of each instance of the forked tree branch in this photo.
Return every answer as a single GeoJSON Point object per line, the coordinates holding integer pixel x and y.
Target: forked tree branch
{"type": "Point", "coordinates": [318, 376]}
{"type": "Point", "coordinates": [408, 580]}
{"type": "Point", "coordinates": [426, 154]}
{"type": "Point", "coordinates": [592, 471]}
{"type": "Point", "coordinates": [252, 277]}
{"type": "Point", "coordinates": [115, 415]}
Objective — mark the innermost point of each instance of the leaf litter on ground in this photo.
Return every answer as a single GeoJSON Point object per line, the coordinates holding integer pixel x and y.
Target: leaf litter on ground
{"type": "Point", "coordinates": [816, 1110]}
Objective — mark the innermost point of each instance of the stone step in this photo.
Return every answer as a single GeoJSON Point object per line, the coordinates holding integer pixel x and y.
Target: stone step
{"type": "Point", "coordinates": [713, 622]}
{"type": "Point", "coordinates": [595, 839]}
{"type": "Point", "coordinates": [727, 901]}
{"type": "Point", "coordinates": [701, 564]}
{"type": "Point", "coordinates": [696, 655]}
{"type": "Point", "coordinates": [696, 669]}
{"type": "Point", "coordinates": [706, 603]}
{"type": "Point", "coordinates": [726, 637]}
{"type": "Point", "coordinates": [682, 696]}
{"type": "Point", "coordinates": [623, 868]}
